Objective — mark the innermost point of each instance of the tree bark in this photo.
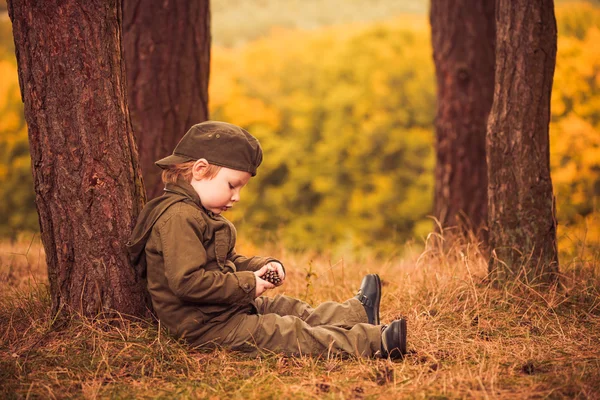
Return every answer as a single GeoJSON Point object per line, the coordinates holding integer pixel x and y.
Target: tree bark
{"type": "Point", "coordinates": [521, 203]}
{"type": "Point", "coordinates": [463, 36]}
{"type": "Point", "coordinates": [84, 159]}
{"type": "Point", "coordinates": [167, 53]}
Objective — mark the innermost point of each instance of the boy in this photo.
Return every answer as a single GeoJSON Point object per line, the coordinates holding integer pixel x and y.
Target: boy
{"type": "Point", "coordinates": [206, 293]}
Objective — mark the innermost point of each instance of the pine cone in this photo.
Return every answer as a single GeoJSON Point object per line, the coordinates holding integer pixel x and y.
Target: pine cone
{"type": "Point", "coordinates": [272, 276]}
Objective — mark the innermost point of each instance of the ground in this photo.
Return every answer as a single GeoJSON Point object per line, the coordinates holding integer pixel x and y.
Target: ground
{"type": "Point", "coordinates": [466, 337]}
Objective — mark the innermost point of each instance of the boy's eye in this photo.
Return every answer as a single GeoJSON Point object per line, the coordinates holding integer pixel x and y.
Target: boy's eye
{"type": "Point", "coordinates": [230, 186]}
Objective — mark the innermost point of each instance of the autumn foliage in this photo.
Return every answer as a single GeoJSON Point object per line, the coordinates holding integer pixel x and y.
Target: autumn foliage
{"type": "Point", "coordinates": [345, 116]}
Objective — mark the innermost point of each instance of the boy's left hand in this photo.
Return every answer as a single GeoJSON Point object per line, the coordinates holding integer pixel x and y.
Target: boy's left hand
{"type": "Point", "coordinates": [275, 266]}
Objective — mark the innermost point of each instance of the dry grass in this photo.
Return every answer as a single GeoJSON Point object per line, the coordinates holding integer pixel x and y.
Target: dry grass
{"type": "Point", "coordinates": [466, 338]}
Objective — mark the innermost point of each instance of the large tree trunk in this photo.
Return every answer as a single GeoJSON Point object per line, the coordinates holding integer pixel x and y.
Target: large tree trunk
{"type": "Point", "coordinates": [463, 35]}
{"type": "Point", "coordinates": [84, 159]}
{"type": "Point", "coordinates": [167, 53]}
{"type": "Point", "coordinates": [521, 204]}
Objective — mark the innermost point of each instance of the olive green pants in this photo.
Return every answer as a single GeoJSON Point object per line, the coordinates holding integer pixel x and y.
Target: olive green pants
{"type": "Point", "coordinates": [286, 325]}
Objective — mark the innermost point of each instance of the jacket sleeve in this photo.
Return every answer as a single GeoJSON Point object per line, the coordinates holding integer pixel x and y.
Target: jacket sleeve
{"type": "Point", "coordinates": [243, 263]}
{"type": "Point", "coordinates": [184, 261]}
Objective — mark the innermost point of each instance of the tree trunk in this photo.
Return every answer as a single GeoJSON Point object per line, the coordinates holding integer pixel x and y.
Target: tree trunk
{"type": "Point", "coordinates": [84, 159]}
{"type": "Point", "coordinates": [521, 204]}
{"type": "Point", "coordinates": [462, 35]}
{"type": "Point", "coordinates": [167, 53]}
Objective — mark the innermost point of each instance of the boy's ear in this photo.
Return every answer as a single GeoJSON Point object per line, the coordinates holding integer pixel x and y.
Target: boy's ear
{"type": "Point", "coordinates": [199, 169]}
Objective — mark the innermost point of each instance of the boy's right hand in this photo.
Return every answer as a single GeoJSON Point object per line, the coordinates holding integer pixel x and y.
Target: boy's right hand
{"type": "Point", "coordinates": [262, 285]}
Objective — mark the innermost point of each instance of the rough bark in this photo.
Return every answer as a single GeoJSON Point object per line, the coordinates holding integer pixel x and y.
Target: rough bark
{"type": "Point", "coordinates": [167, 53]}
{"type": "Point", "coordinates": [521, 203]}
{"type": "Point", "coordinates": [463, 36]}
{"type": "Point", "coordinates": [84, 159]}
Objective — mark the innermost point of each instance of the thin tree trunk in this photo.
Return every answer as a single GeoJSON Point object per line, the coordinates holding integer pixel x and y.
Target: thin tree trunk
{"type": "Point", "coordinates": [463, 36]}
{"type": "Point", "coordinates": [521, 203]}
{"type": "Point", "coordinates": [167, 52]}
{"type": "Point", "coordinates": [84, 159]}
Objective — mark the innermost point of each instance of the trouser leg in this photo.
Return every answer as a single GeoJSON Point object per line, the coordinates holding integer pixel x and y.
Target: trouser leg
{"type": "Point", "coordinates": [345, 315]}
{"type": "Point", "coordinates": [291, 335]}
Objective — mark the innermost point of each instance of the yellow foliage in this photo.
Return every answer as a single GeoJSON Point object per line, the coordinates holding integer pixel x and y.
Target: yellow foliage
{"type": "Point", "coordinates": [345, 117]}
{"type": "Point", "coordinates": [575, 126]}
{"type": "Point", "coordinates": [17, 208]}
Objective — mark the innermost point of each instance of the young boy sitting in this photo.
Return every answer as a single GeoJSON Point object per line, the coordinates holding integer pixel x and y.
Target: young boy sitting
{"type": "Point", "coordinates": [207, 294]}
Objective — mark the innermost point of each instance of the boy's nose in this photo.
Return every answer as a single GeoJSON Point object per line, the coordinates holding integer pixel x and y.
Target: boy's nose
{"type": "Point", "coordinates": [235, 197]}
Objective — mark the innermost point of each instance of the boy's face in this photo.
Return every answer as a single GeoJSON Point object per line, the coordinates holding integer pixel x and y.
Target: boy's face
{"type": "Point", "coordinates": [221, 192]}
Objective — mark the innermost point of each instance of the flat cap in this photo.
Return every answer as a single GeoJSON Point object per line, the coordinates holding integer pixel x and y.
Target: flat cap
{"type": "Point", "coordinates": [220, 143]}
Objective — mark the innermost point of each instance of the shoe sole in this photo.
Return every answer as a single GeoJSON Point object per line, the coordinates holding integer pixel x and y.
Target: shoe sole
{"type": "Point", "coordinates": [394, 340]}
{"type": "Point", "coordinates": [400, 351]}
{"type": "Point", "coordinates": [403, 333]}
{"type": "Point", "coordinates": [377, 300]}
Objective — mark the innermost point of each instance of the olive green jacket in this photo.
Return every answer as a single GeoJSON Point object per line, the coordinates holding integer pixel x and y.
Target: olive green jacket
{"type": "Point", "coordinates": [187, 254]}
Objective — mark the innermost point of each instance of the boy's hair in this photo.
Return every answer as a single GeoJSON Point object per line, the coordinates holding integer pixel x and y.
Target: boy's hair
{"type": "Point", "coordinates": [172, 173]}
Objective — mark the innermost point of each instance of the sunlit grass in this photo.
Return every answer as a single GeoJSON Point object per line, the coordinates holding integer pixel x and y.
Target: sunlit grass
{"type": "Point", "coordinates": [466, 338]}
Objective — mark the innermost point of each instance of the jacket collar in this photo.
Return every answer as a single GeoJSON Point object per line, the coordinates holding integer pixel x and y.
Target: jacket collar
{"type": "Point", "coordinates": [184, 188]}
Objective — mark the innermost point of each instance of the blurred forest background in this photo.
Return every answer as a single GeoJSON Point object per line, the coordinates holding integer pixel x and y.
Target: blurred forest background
{"type": "Point", "coordinates": [343, 102]}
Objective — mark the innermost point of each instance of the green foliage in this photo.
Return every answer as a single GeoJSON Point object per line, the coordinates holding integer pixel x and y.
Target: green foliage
{"type": "Point", "coordinates": [576, 18]}
{"type": "Point", "coordinates": [345, 120]}
{"type": "Point", "coordinates": [231, 26]}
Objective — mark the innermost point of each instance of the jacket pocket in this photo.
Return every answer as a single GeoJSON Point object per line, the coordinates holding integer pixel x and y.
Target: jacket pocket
{"type": "Point", "coordinates": [221, 247]}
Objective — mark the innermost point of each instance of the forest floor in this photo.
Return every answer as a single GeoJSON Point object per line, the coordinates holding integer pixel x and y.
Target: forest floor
{"type": "Point", "coordinates": [466, 338]}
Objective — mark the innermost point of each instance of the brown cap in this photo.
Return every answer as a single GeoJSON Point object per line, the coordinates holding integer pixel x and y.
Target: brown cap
{"type": "Point", "coordinates": [220, 143]}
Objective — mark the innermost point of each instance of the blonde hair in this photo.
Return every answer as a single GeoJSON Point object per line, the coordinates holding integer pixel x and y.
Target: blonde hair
{"type": "Point", "coordinates": [184, 171]}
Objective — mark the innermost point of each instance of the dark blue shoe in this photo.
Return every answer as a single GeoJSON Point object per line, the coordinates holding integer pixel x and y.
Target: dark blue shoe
{"type": "Point", "coordinates": [393, 340]}
{"type": "Point", "coordinates": [369, 295]}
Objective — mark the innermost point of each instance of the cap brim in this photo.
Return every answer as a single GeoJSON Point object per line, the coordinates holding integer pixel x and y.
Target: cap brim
{"type": "Point", "coordinates": [172, 160]}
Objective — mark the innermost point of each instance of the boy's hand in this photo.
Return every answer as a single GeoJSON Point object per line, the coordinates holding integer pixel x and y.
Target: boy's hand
{"type": "Point", "coordinates": [262, 285]}
{"type": "Point", "coordinates": [275, 266]}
